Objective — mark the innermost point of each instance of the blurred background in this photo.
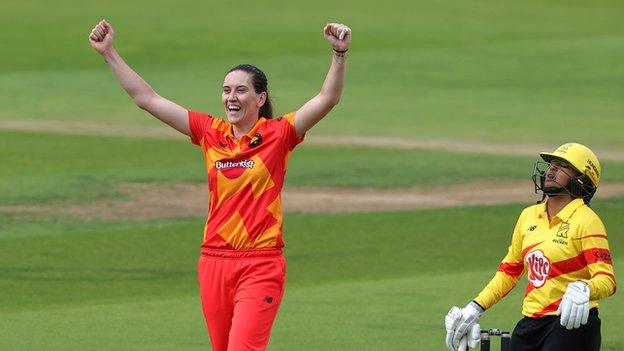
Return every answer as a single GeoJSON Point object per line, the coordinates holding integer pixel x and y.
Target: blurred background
{"type": "Point", "coordinates": [399, 204]}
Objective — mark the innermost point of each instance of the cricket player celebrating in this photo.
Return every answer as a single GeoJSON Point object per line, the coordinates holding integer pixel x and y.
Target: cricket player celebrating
{"type": "Point", "coordinates": [241, 270]}
{"type": "Point", "coordinates": [562, 245]}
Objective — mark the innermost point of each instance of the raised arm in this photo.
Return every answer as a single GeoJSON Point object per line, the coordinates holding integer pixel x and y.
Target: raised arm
{"type": "Point", "coordinates": [339, 36]}
{"type": "Point", "coordinates": [101, 39]}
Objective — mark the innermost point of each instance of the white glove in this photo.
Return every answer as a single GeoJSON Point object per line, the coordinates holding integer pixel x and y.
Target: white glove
{"type": "Point", "coordinates": [462, 327]}
{"type": "Point", "coordinates": [574, 307]}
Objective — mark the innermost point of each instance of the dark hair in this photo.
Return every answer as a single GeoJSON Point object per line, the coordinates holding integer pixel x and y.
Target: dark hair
{"type": "Point", "coordinates": [260, 84]}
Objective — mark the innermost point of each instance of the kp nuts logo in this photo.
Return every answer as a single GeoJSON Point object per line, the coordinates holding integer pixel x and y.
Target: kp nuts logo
{"type": "Point", "coordinates": [592, 168]}
{"type": "Point", "coordinates": [539, 267]}
{"type": "Point", "coordinates": [248, 164]}
{"type": "Point", "coordinates": [604, 256]}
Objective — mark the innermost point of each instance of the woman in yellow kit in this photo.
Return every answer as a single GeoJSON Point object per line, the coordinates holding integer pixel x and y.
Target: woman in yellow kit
{"type": "Point", "coordinates": [562, 245]}
{"type": "Point", "coordinates": [241, 270]}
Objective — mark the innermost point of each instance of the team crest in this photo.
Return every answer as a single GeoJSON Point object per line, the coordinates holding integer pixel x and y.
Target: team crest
{"type": "Point", "coordinates": [563, 230]}
{"type": "Point", "coordinates": [539, 267]}
{"type": "Point", "coordinates": [255, 140]}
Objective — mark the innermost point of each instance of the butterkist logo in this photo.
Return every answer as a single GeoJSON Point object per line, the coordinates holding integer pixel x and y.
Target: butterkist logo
{"type": "Point", "coordinates": [248, 164]}
{"type": "Point", "coordinates": [539, 267]}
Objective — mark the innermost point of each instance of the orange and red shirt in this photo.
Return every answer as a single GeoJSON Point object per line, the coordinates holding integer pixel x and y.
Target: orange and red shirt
{"type": "Point", "coordinates": [245, 179]}
{"type": "Point", "coordinates": [572, 246]}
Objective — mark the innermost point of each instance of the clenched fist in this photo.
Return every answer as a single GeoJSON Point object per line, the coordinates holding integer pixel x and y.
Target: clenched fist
{"type": "Point", "coordinates": [338, 35]}
{"type": "Point", "coordinates": [101, 37]}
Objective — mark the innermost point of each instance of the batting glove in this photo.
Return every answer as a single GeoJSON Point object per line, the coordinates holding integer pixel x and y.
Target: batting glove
{"type": "Point", "coordinates": [574, 307]}
{"type": "Point", "coordinates": [462, 327]}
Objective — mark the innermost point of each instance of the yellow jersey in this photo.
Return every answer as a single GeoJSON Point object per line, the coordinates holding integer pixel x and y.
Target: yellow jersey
{"type": "Point", "coordinates": [572, 246]}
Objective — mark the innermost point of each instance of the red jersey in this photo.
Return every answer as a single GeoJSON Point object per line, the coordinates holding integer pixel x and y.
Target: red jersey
{"type": "Point", "coordinates": [245, 180]}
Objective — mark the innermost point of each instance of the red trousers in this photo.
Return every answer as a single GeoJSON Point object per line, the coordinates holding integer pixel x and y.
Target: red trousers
{"type": "Point", "coordinates": [241, 292]}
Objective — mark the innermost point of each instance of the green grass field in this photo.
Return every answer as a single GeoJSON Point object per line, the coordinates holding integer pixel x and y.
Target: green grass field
{"type": "Point", "coordinates": [132, 285]}
{"type": "Point", "coordinates": [83, 168]}
{"type": "Point", "coordinates": [484, 71]}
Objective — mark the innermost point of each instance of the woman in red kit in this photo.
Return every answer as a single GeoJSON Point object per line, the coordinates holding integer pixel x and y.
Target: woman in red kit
{"type": "Point", "coordinates": [241, 269]}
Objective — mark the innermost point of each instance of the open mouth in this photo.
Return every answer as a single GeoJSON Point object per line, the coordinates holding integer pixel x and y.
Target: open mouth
{"type": "Point", "coordinates": [233, 108]}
